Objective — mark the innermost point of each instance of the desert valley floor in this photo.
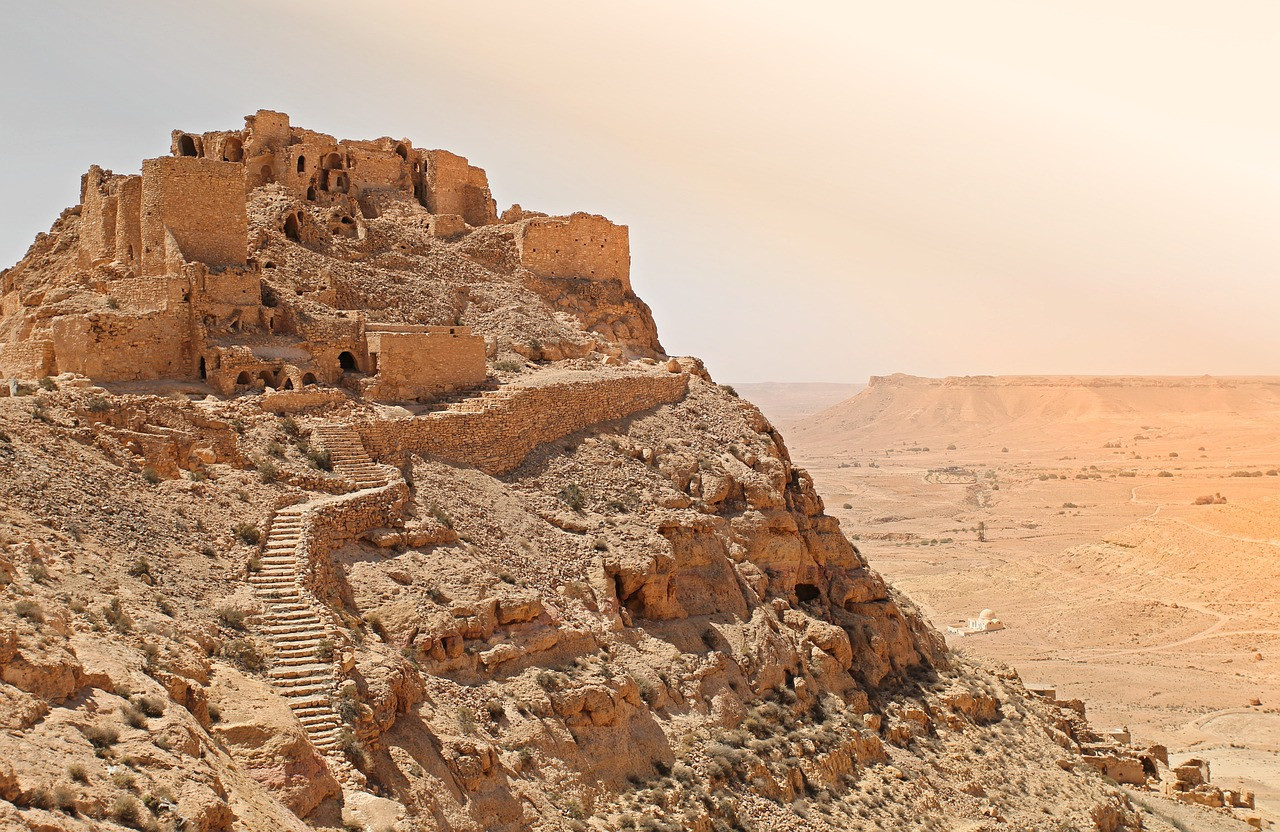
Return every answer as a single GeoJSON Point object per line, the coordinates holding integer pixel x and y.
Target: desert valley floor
{"type": "Point", "coordinates": [1114, 585]}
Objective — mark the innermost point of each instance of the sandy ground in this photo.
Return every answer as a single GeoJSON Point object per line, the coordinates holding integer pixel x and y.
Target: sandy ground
{"type": "Point", "coordinates": [1115, 588]}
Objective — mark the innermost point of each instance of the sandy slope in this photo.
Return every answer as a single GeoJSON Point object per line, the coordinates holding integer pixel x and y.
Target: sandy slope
{"type": "Point", "coordinates": [1163, 614]}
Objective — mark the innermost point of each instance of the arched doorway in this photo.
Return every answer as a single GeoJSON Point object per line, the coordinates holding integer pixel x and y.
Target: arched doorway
{"type": "Point", "coordinates": [291, 227]}
{"type": "Point", "coordinates": [288, 384]}
{"type": "Point", "coordinates": [244, 379]}
{"type": "Point", "coordinates": [308, 378]}
{"type": "Point", "coordinates": [268, 378]}
{"type": "Point", "coordinates": [347, 362]}
{"type": "Point", "coordinates": [203, 373]}
{"type": "Point", "coordinates": [186, 146]}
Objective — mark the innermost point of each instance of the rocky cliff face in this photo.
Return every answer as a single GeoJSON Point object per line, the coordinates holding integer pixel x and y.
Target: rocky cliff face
{"type": "Point", "coordinates": [648, 622]}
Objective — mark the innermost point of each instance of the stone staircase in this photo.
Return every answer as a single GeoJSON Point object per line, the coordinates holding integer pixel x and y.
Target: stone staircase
{"type": "Point", "coordinates": [347, 453]}
{"type": "Point", "coordinates": [293, 622]}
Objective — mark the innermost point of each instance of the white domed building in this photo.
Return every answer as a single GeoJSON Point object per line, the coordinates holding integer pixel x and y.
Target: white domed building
{"type": "Point", "coordinates": [986, 622]}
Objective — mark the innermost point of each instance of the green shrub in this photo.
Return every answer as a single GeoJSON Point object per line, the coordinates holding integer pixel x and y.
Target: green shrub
{"type": "Point", "coordinates": [233, 617]}
{"type": "Point", "coordinates": [30, 610]}
{"type": "Point", "coordinates": [241, 652]}
{"type": "Point", "coordinates": [116, 616]}
{"type": "Point", "coordinates": [267, 471]}
{"type": "Point", "coordinates": [275, 449]}
{"type": "Point", "coordinates": [78, 773]}
{"type": "Point", "coordinates": [247, 533]}
{"type": "Point", "coordinates": [508, 366]}
{"type": "Point", "coordinates": [101, 736]}
{"type": "Point", "coordinates": [320, 458]}
{"type": "Point", "coordinates": [97, 404]}
{"type": "Point", "coordinates": [573, 497]}
{"type": "Point", "coordinates": [151, 475]}
{"type": "Point", "coordinates": [290, 426]}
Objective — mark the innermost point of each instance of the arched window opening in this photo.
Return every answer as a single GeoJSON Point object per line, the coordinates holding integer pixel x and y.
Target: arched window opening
{"type": "Point", "coordinates": [302, 164]}
{"type": "Point", "coordinates": [244, 378]}
{"type": "Point", "coordinates": [402, 151]}
{"type": "Point", "coordinates": [308, 378]}
{"type": "Point", "coordinates": [332, 162]}
{"type": "Point", "coordinates": [232, 150]}
{"type": "Point", "coordinates": [186, 146]}
{"type": "Point", "coordinates": [347, 362]}
{"type": "Point", "coordinates": [311, 193]}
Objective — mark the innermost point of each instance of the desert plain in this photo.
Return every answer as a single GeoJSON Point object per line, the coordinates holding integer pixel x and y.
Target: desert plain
{"type": "Point", "coordinates": [1130, 539]}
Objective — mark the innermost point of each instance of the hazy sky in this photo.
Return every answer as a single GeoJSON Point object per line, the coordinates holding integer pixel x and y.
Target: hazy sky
{"type": "Point", "coordinates": [816, 190]}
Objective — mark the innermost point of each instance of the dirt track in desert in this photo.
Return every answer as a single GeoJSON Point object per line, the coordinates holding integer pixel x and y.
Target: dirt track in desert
{"type": "Point", "coordinates": [1115, 587]}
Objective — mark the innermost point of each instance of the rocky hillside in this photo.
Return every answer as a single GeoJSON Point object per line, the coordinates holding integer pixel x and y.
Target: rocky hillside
{"type": "Point", "coordinates": [595, 595]}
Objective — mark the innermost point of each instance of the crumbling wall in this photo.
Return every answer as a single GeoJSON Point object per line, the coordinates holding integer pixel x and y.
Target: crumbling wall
{"type": "Point", "coordinates": [97, 217]}
{"type": "Point", "coordinates": [412, 365]}
{"type": "Point", "coordinates": [124, 347]}
{"type": "Point", "coordinates": [580, 245]}
{"type": "Point", "coordinates": [33, 358]}
{"type": "Point", "coordinates": [201, 203]}
{"type": "Point", "coordinates": [129, 221]}
{"type": "Point", "coordinates": [497, 437]}
{"type": "Point", "coordinates": [453, 186]}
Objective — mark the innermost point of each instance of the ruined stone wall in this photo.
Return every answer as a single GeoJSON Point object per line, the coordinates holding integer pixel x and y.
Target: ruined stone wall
{"type": "Point", "coordinates": [581, 245]}
{"type": "Point", "coordinates": [124, 347]}
{"type": "Point", "coordinates": [378, 170]}
{"type": "Point", "coordinates": [201, 203]}
{"type": "Point", "coordinates": [497, 438]}
{"type": "Point", "coordinates": [27, 359]}
{"type": "Point", "coordinates": [97, 217]}
{"type": "Point", "coordinates": [128, 248]}
{"type": "Point", "coordinates": [332, 522]}
{"type": "Point", "coordinates": [453, 186]}
{"type": "Point", "coordinates": [415, 364]}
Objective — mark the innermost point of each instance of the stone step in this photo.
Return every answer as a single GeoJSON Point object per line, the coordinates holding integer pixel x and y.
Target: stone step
{"type": "Point", "coordinates": [318, 721]}
{"type": "Point", "coordinates": [307, 659]}
{"type": "Point", "coordinates": [285, 605]}
{"type": "Point", "coordinates": [303, 635]}
{"type": "Point", "coordinates": [303, 687]}
{"type": "Point", "coordinates": [301, 674]}
{"type": "Point", "coordinates": [294, 616]}
{"type": "Point", "coordinates": [291, 627]}
{"type": "Point", "coordinates": [308, 703]}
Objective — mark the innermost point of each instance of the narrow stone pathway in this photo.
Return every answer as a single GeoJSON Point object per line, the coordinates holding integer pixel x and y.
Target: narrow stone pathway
{"type": "Point", "coordinates": [303, 669]}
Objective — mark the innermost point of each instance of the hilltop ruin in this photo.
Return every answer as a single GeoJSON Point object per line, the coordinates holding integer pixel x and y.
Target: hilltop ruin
{"type": "Point", "coordinates": [337, 499]}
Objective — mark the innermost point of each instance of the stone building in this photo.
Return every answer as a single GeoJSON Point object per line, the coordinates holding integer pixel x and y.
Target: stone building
{"type": "Point", "coordinates": [186, 297]}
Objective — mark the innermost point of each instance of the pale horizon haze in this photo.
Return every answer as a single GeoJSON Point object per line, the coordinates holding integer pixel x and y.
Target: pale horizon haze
{"type": "Point", "coordinates": [816, 191]}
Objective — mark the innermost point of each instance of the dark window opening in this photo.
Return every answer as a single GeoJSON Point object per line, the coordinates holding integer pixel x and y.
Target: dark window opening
{"type": "Point", "coordinates": [308, 378]}
{"type": "Point", "coordinates": [347, 362]}
{"type": "Point", "coordinates": [288, 384]}
{"type": "Point", "coordinates": [244, 378]}
{"type": "Point", "coordinates": [203, 373]}
{"type": "Point", "coordinates": [402, 152]}
{"type": "Point", "coordinates": [291, 227]}
{"type": "Point", "coordinates": [186, 146]}
{"type": "Point", "coordinates": [311, 192]}
{"type": "Point", "coordinates": [807, 592]}
{"type": "Point", "coordinates": [302, 164]}
{"type": "Point", "coordinates": [332, 162]}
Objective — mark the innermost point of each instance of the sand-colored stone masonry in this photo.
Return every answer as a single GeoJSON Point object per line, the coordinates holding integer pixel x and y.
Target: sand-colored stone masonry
{"type": "Point", "coordinates": [581, 245]}
{"type": "Point", "coordinates": [201, 203]}
{"type": "Point", "coordinates": [454, 186]}
{"type": "Point", "coordinates": [497, 432]}
{"type": "Point", "coordinates": [415, 362]}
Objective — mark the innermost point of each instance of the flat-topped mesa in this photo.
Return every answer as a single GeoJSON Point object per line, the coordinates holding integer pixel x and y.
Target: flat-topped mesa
{"type": "Point", "coordinates": [239, 261]}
